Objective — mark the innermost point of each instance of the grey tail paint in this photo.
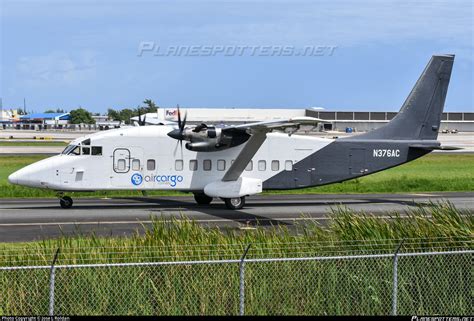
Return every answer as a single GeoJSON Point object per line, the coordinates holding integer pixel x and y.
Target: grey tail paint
{"type": "Point", "coordinates": [412, 133]}
{"type": "Point", "coordinates": [420, 116]}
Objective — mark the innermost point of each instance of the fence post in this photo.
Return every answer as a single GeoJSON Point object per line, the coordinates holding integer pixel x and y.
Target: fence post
{"type": "Point", "coordinates": [395, 279]}
{"type": "Point", "coordinates": [242, 282]}
{"type": "Point", "coordinates": [51, 283]}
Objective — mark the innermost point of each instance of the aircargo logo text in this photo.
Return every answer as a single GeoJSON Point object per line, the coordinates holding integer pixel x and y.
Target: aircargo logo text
{"type": "Point", "coordinates": [170, 180]}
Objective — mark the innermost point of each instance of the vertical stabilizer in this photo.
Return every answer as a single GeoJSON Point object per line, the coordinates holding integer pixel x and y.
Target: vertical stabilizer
{"type": "Point", "coordinates": [420, 116]}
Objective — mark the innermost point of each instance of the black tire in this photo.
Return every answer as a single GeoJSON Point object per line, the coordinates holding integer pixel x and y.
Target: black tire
{"type": "Point", "coordinates": [235, 203]}
{"type": "Point", "coordinates": [202, 199]}
{"type": "Point", "coordinates": [66, 202]}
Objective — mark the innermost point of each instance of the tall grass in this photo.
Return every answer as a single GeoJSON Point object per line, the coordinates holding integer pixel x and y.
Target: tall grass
{"type": "Point", "coordinates": [427, 285]}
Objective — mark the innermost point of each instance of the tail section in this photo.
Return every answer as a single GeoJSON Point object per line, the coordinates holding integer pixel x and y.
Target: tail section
{"type": "Point", "coordinates": [420, 116]}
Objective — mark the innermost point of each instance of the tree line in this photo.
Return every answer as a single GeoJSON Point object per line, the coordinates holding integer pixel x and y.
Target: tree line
{"type": "Point", "coordinates": [83, 116]}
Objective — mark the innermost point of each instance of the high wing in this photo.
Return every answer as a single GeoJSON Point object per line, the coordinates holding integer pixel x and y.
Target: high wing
{"type": "Point", "coordinates": [275, 124]}
{"type": "Point", "coordinates": [258, 132]}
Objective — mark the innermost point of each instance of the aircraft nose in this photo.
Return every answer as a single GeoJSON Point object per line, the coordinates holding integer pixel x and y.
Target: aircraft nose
{"type": "Point", "coordinates": [13, 178]}
{"type": "Point", "coordinates": [20, 177]}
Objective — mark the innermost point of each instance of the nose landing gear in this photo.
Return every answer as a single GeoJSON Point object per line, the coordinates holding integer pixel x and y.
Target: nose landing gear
{"type": "Point", "coordinates": [65, 201]}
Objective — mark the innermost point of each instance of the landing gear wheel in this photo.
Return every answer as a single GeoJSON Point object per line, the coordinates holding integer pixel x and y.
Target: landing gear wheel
{"type": "Point", "coordinates": [234, 203]}
{"type": "Point", "coordinates": [65, 202]}
{"type": "Point", "coordinates": [202, 199]}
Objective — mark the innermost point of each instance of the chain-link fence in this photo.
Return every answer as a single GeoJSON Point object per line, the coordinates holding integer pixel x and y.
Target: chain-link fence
{"type": "Point", "coordinates": [417, 283]}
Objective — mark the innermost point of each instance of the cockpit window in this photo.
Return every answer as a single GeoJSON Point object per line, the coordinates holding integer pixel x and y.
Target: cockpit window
{"type": "Point", "coordinates": [96, 150]}
{"type": "Point", "coordinates": [75, 151]}
{"type": "Point", "coordinates": [68, 149]}
{"type": "Point", "coordinates": [86, 150]}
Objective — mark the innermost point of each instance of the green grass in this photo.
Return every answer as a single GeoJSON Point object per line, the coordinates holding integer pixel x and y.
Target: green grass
{"type": "Point", "coordinates": [432, 173]}
{"type": "Point", "coordinates": [35, 144]}
{"type": "Point", "coordinates": [428, 285]}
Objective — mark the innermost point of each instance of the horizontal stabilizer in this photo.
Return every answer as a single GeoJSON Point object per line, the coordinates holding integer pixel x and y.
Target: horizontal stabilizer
{"type": "Point", "coordinates": [434, 147]}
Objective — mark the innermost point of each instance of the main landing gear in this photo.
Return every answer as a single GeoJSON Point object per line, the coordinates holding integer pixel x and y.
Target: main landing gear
{"type": "Point", "coordinates": [65, 201]}
{"type": "Point", "coordinates": [234, 203]}
{"type": "Point", "coordinates": [231, 203]}
{"type": "Point", "coordinates": [202, 199]}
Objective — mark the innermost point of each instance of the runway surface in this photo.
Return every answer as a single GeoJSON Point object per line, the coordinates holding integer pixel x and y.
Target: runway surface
{"type": "Point", "coordinates": [32, 219]}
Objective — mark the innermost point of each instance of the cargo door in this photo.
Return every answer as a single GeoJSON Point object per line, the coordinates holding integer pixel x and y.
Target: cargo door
{"type": "Point", "coordinates": [127, 168]}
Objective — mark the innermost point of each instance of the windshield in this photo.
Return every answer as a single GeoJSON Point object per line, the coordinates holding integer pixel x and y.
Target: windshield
{"type": "Point", "coordinates": [68, 149]}
{"type": "Point", "coordinates": [72, 150]}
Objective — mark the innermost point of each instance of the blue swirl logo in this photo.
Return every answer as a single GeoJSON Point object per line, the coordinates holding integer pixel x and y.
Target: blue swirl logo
{"type": "Point", "coordinates": [137, 179]}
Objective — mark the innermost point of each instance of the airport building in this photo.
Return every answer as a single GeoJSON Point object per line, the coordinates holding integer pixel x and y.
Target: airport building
{"type": "Point", "coordinates": [8, 115]}
{"type": "Point", "coordinates": [357, 121]}
{"type": "Point", "coordinates": [42, 120]}
{"type": "Point", "coordinates": [367, 121]}
{"type": "Point", "coordinates": [334, 120]}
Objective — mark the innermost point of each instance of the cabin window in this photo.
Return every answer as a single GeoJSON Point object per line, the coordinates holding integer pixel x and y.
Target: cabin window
{"type": "Point", "coordinates": [178, 165]}
{"type": "Point", "coordinates": [97, 150]}
{"type": "Point", "coordinates": [193, 165]}
{"type": "Point", "coordinates": [136, 164]}
{"type": "Point", "coordinates": [150, 165]}
{"type": "Point", "coordinates": [86, 150]}
{"type": "Point", "coordinates": [249, 166]}
{"type": "Point", "coordinates": [207, 165]}
{"type": "Point", "coordinates": [121, 165]}
{"type": "Point", "coordinates": [275, 165]}
{"type": "Point", "coordinates": [262, 165]}
{"type": "Point", "coordinates": [288, 165]}
{"type": "Point", "coordinates": [221, 165]}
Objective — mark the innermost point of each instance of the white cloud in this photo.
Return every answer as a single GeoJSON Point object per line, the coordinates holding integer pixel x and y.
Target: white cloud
{"type": "Point", "coordinates": [57, 68]}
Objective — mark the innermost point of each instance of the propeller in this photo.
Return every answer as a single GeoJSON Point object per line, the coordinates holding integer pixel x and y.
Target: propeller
{"type": "Point", "coordinates": [178, 133]}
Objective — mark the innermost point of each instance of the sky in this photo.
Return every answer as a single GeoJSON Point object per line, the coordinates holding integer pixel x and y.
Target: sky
{"type": "Point", "coordinates": [363, 55]}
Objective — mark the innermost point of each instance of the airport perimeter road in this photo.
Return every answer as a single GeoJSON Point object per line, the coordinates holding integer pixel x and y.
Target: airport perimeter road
{"type": "Point", "coordinates": [30, 219]}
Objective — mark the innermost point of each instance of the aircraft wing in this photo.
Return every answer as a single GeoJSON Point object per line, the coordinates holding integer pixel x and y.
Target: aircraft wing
{"type": "Point", "coordinates": [275, 124]}
{"type": "Point", "coordinates": [258, 133]}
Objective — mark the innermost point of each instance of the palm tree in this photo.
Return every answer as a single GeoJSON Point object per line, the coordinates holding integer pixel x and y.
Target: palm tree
{"type": "Point", "coordinates": [151, 106]}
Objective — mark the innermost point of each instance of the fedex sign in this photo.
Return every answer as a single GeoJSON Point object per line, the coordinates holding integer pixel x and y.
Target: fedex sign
{"type": "Point", "coordinates": [171, 114]}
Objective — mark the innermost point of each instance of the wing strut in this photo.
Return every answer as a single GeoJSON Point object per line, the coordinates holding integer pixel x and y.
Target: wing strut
{"type": "Point", "coordinates": [246, 154]}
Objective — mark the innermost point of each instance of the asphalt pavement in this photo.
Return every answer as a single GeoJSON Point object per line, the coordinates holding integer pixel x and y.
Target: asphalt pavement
{"type": "Point", "coordinates": [33, 219]}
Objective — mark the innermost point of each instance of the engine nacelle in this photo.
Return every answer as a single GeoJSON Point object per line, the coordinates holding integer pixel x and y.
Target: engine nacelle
{"type": "Point", "coordinates": [207, 146]}
{"type": "Point", "coordinates": [231, 189]}
{"type": "Point", "coordinates": [211, 139]}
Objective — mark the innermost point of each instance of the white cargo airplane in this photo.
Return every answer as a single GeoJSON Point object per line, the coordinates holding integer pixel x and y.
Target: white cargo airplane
{"type": "Point", "coordinates": [236, 161]}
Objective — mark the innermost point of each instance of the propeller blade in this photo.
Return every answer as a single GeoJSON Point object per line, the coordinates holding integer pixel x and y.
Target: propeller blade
{"type": "Point", "coordinates": [175, 149]}
{"type": "Point", "coordinates": [184, 121]}
{"type": "Point", "coordinates": [179, 117]}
